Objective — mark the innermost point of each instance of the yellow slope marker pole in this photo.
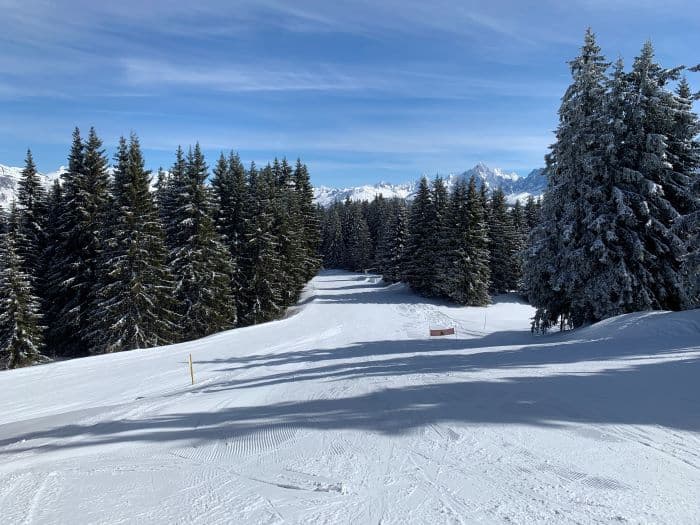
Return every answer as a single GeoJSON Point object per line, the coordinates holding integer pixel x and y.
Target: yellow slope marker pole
{"type": "Point", "coordinates": [191, 370]}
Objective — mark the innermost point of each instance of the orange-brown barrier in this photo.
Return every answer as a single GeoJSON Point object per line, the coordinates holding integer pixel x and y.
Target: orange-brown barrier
{"type": "Point", "coordinates": [442, 331]}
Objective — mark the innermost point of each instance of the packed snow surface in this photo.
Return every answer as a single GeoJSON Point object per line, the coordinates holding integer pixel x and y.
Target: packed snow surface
{"type": "Point", "coordinates": [347, 412]}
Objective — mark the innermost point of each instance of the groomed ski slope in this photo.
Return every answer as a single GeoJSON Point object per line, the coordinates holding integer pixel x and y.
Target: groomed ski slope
{"type": "Point", "coordinates": [346, 412]}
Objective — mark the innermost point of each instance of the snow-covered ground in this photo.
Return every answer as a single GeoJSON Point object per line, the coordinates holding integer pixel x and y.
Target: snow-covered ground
{"type": "Point", "coordinates": [346, 412]}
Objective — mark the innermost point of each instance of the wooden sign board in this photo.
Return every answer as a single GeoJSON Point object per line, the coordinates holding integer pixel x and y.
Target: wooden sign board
{"type": "Point", "coordinates": [442, 331]}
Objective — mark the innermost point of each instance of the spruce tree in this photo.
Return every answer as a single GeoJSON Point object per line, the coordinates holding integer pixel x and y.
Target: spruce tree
{"type": "Point", "coordinates": [503, 245]}
{"type": "Point", "coordinates": [660, 192]}
{"type": "Point", "coordinates": [229, 187]}
{"type": "Point", "coordinates": [168, 197]}
{"type": "Point", "coordinates": [21, 340]}
{"type": "Point", "coordinates": [310, 227]}
{"type": "Point", "coordinates": [521, 232]}
{"type": "Point", "coordinates": [532, 214]}
{"type": "Point", "coordinates": [333, 243]}
{"type": "Point", "coordinates": [358, 243]}
{"type": "Point", "coordinates": [684, 153]}
{"type": "Point", "coordinates": [551, 265]}
{"type": "Point", "coordinates": [74, 269]}
{"type": "Point", "coordinates": [31, 200]}
{"type": "Point", "coordinates": [392, 243]}
{"type": "Point", "coordinates": [288, 229]}
{"type": "Point", "coordinates": [465, 265]}
{"type": "Point", "coordinates": [133, 306]}
{"type": "Point", "coordinates": [612, 239]}
{"type": "Point", "coordinates": [200, 263]}
{"type": "Point", "coordinates": [420, 272]}
{"type": "Point", "coordinates": [476, 263]}
{"type": "Point", "coordinates": [262, 298]}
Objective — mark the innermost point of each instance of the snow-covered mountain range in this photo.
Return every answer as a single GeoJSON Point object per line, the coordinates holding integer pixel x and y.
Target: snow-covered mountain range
{"type": "Point", "coordinates": [9, 176]}
{"type": "Point", "coordinates": [514, 185]}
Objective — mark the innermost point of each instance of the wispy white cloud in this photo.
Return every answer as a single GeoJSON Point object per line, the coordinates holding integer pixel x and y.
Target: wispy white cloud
{"type": "Point", "coordinates": [242, 78]}
{"type": "Point", "coordinates": [417, 82]}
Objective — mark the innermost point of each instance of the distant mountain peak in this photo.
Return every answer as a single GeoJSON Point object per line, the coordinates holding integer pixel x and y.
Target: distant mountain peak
{"type": "Point", "coordinates": [514, 186]}
{"type": "Point", "coordinates": [9, 176]}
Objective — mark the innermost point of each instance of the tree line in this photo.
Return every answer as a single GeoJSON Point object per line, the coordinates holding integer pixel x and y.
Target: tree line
{"type": "Point", "coordinates": [102, 262]}
{"type": "Point", "coordinates": [619, 226]}
{"type": "Point", "coordinates": [460, 245]}
{"type": "Point", "coordinates": [621, 214]}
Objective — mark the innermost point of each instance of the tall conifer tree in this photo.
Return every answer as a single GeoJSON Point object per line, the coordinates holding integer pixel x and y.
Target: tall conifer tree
{"type": "Point", "coordinates": [134, 307]}
{"type": "Point", "coordinates": [21, 340]}
{"type": "Point", "coordinates": [200, 263]}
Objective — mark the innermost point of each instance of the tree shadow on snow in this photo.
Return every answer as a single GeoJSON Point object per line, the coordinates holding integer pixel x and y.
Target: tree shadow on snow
{"type": "Point", "coordinates": [651, 387]}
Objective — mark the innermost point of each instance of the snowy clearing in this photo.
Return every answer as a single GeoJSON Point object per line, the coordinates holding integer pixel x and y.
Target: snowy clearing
{"type": "Point", "coordinates": [347, 412]}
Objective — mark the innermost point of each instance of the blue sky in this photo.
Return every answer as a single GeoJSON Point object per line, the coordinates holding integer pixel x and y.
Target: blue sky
{"type": "Point", "coordinates": [362, 90]}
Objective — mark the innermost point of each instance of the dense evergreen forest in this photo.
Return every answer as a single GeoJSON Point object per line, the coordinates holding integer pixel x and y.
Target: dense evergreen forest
{"type": "Point", "coordinates": [460, 246]}
{"type": "Point", "coordinates": [103, 263]}
{"type": "Point", "coordinates": [619, 225]}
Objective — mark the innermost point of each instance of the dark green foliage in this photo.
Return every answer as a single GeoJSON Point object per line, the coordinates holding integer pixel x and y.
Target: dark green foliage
{"type": "Point", "coordinates": [310, 233]}
{"type": "Point", "coordinates": [260, 260]}
{"type": "Point", "coordinates": [392, 242]}
{"type": "Point", "coordinates": [333, 243]}
{"type": "Point", "coordinates": [503, 245]}
{"type": "Point", "coordinates": [357, 240]}
{"type": "Point", "coordinates": [133, 299]}
{"type": "Point", "coordinates": [464, 264]}
{"type": "Point", "coordinates": [532, 213]}
{"type": "Point", "coordinates": [126, 268]}
{"type": "Point", "coordinates": [422, 242]}
{"type": "Point", "coordinates": [21, 338]}
{"type": "Point", "coordinates": [31, 200]}
{"type": "Point", "coordinates": [200, 263]}
{"type": "Point", "coordinates": [439, 246]}
{"type": "Point", "coordinates": [73, 277]}
{"type": "Point", "coordinates": [229, 187]}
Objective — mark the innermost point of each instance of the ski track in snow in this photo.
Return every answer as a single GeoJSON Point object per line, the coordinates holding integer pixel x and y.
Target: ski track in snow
{"type": "Point", "coordinates": [347, 412]}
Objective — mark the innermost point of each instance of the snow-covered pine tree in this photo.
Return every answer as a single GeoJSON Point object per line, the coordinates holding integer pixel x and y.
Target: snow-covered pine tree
{"type": "Point", "coordinates": [260, 261]}
{"type": "Point", "coordinates": [310, 227]}
{"type": "Point", "coordinates": [54, 212]}
{"type": "Point", "coordinates": [611, 240]}
{"type": "Point", "coordinates": [73, 271]}
{"type": "Point", "coordinates": [440, 235]}
{"type": "Point", "coordinates": [476, 264]}
{"type": "Point", "coordinates": [503, 245]}
{"type": "Point", "coordinates": [133, 306]}
{"type": "Point", "coordinates": [684, 154]}
{"type": "Point", "coordinates": [420, 272]}
{"type": "Point", "coordinates": [200, 263]}
{"type": "Point", "coordinates": [168, 195]}
{"type": "Point", "coordinates": [532, 214]}
{"type": "Point", "coordinates": [377, 214]}
{"type": "Point", "coordinates": [660, 185]}
{"type": "Point", "coordinates": [448, 240]}
{"type": "Point", "coordinates": [333, 246]}
{"type": "Point", "coordinates": [288, 228]}
{"type": "Point", "coordinates": [358, 243]}
{"type": "Point", "coordinates": [160, 188]}
{"type": "Point", "coordinates": [465, 270]}
{"type": "Point", "coordinates": [31, 200]}
{"type": "Point", "coordinates": [521, 231]}
{"type": "Point", "coordinates": [21, 340]}
{"type": "Point", "coordinates": [552, 268]}
{"type": "Point", "coordinates": [229, 187]}
{"type": "Point", "coordinates": [392, 243]}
